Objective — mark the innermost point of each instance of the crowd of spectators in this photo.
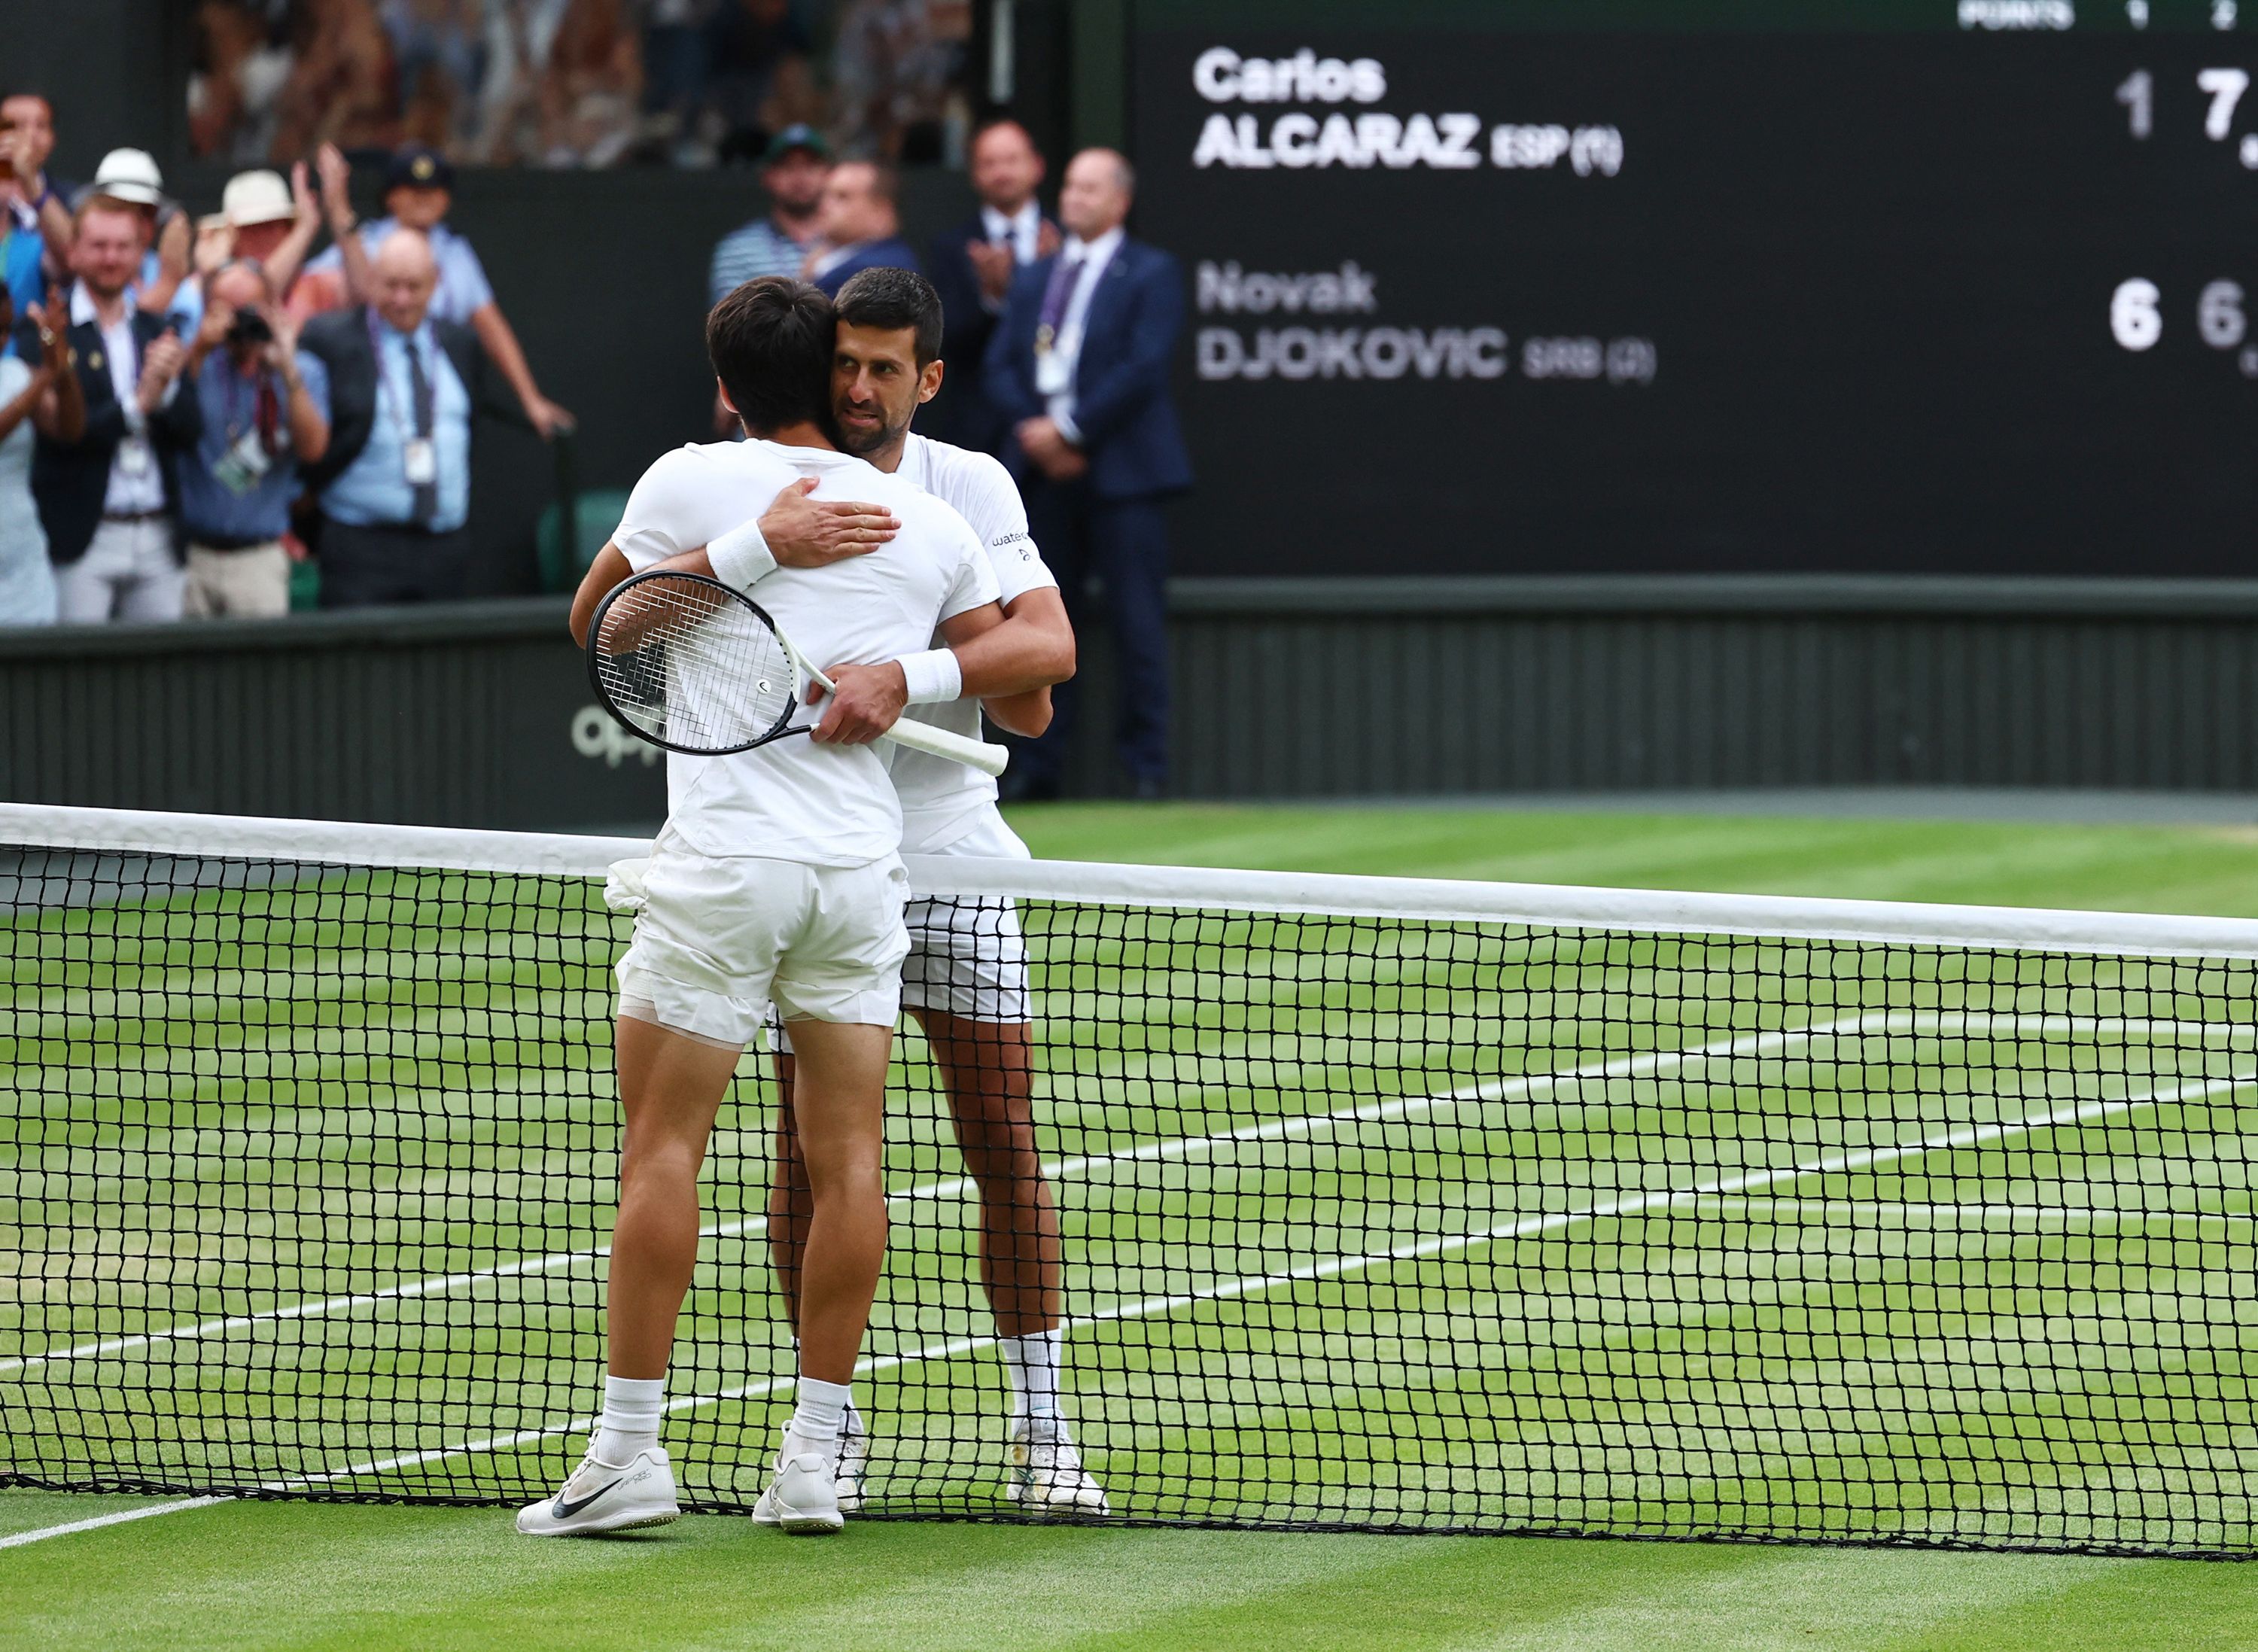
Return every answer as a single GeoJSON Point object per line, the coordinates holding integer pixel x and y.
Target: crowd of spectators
{"type": "Point", "coordinates": [579, 83]}
{"type": "Point", "coordinates": [186, 403]}
{"type": "Point", "coordinates": [1057, 340]}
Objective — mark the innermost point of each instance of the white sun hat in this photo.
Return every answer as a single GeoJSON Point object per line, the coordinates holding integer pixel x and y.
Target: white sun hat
{"type": "Point", "coordinates": [129, 175]}
{"type": "Point", "coordinates": [257, 197]}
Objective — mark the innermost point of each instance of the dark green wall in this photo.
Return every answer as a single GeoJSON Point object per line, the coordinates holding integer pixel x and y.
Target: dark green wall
{"type": "Point", "coordinates": [481, 716]}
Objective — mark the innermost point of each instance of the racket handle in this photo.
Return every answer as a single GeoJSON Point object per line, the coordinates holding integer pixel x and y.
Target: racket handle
{"type": "Point", "coordinates": [939, 742]}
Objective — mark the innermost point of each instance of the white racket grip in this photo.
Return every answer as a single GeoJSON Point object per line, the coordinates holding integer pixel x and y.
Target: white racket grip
{"type": "Point", "coordinates": [939, 742]}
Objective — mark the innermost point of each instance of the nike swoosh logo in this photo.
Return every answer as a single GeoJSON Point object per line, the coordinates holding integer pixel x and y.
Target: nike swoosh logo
{"type": "Point", "coordinates": [566, 1511]}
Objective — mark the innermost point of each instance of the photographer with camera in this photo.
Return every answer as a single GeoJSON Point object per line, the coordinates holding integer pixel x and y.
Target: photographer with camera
{"type": "Point", "coordinates": [266, 412]}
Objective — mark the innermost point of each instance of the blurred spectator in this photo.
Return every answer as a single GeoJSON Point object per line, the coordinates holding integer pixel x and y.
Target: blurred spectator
{"type": "Point", "coordinates": [593, 86]}
{"type": "Point", "coordinates": [47, 396]}
{"type": "Point", "coordinates": [264, 413]}
{"type": "Point", "coordinates": [796, 163]}
{"type": "Point", "coordinates": [674, 72]}
{"type": "Point", "coordinates": [406, 386]}
{"type": "Point", "coordinates": [896, 75]}
{"type": "Point", "coordinates": [971, 266]}
{"type": "Point", "coordinates": [418, 193]}
{"type": "Point", "coordinates": [438, 56]}
{"type": "Point", "coordinates": [755, 57]}
{"type": "Point", "coordinates": [129, 179]}
{"type": "Point", "coordinates": [241, 62]}
{"type": "Point", "coordinates": [1080, 363]}
{"type": "Point", "coordinates": [27, 137]}
{"type": "Point", "coordinates": [858, 228]}
{"type": "Point", "coordinates": [261, 219]}
{"type": "Point", "coordinates": [106, 496]}
{"type": "Point", "coordinates": [344, 88]}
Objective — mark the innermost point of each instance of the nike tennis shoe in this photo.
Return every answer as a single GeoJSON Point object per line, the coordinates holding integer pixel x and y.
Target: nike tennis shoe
{"type": "Point", "coordinates": [854, 1463]}
{"type": "Point", "coordinates": [803, 1493]}
{"type": "Point", "coordinates": [606, 1497]}
{"type": "Point", "coordinates": [1047, 1477]}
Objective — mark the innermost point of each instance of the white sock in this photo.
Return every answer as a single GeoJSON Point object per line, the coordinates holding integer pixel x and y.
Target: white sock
{"type": "Point", "coordinates": [820, 1411]}
{"type": "Point", "coordinates": [633, 1407]}
{"type": "Point", "coordinates": [1032, 1365]}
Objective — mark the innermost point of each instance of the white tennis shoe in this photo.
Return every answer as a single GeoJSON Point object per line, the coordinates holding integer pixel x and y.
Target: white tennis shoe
{"type": "Point", "coordinates": [854, 1463]}
{"type": "Point", "coordinates": [1047, 1477]}
{"type": "Point", "coordinates": [803, 1493]}
{"type": "Point", "coordinates": [606, 1497]}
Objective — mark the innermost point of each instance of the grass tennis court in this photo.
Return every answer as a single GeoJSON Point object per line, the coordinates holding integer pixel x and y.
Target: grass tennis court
{"type": "Point", "coordinates": [1168, 1587]}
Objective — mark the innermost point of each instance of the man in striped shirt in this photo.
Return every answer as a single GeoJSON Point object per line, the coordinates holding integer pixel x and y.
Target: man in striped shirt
{"type": "Point", "coordinates": [793, 172]}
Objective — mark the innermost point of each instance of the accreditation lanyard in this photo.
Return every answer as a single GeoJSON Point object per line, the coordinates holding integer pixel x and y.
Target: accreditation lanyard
{"type": "Point", "coordinates": [246, 460]}
{"type": "Point", "coordinates": [419, 454]}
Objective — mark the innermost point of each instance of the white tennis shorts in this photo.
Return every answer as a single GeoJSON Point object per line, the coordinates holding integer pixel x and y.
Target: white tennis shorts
{"type": "Point", "coordinates": [718, 940]}
{"type": "Point", "coordinates": [966, 957]}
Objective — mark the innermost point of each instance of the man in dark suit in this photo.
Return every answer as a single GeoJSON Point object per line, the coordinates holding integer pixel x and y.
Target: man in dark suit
{"type": "Point", "coordinates": [405, 390]}
{"type": "Point", "coordinates": [1079, 364]}
{"type": "Point", "coordinates": [971, 267]}
{"type": "Point", "coordinates": [860, 227]}
{"type": "Point", "coordinates": [110, 500]}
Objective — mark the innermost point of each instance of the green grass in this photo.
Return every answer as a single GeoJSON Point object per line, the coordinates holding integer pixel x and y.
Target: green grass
{"type": "Point", "coordinates": [1260, 1019]}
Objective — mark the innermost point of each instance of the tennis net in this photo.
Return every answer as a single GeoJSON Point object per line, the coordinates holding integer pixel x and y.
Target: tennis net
{"type": "Point", "coordinates": [1386, 1204]}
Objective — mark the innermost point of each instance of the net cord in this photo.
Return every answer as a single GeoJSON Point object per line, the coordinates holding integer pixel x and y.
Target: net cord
{"type": "Point", "coordinates": [1197, 889]}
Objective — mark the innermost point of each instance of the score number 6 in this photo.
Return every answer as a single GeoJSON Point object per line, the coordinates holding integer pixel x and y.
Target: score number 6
{"type": "Point", "coordinates": [2137, 320]}
{"type": "Point", "coordinates": [2133, 316]}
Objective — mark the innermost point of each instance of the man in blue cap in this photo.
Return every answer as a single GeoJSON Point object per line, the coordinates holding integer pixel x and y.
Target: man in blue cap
{"type": "Point", "coordinates": [793, 172]}
{"type": "Point", "coordinates": [418, 191]}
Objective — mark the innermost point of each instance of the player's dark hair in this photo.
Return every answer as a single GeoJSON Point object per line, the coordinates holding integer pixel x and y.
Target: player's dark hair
{"type": "Point", "coordinates": [771, 344]}
{"type": "Point", "coordinates": [890, 300]}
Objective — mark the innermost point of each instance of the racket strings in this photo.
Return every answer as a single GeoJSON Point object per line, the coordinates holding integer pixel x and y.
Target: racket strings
{"type": "Point", "coordinates": [691, 664]}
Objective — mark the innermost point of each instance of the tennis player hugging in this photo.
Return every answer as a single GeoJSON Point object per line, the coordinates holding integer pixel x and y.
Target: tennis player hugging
{"type": "Point", "coordinates": [779, 879]}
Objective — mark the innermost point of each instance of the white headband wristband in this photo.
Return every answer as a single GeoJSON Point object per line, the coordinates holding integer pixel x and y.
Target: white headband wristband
{"type": "Point", "coordinates": [740, 557]}
{"type": "Point", "coordinates": [934, 677]}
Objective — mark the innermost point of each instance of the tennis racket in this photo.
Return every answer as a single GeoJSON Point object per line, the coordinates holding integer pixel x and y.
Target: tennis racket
{"type": "Point", "coordinates": [696, 666]}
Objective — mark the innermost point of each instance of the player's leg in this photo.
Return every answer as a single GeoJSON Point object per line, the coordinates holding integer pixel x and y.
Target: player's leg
{"type": "Point", "coordinates": [706, 936]}
{"type": "Point", "coordinates": [839, 1085]}
{"type": "Point", "coordinates": [791, 1206]}
{"type": "Point", "coordinates": [986, 1068]}
{"type": "Point", "coordinates": [839, 990]}
{"type": "Point", "coordinates": [966, 980]}
{"type": "Point", "coordinates": [672, 1086]}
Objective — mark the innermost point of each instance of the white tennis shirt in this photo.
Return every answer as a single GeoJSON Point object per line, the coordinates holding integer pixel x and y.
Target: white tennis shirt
{"type": "Point", "coordinates": [794, 798]}
{"type": "Point", "coordinates": [942, 800]}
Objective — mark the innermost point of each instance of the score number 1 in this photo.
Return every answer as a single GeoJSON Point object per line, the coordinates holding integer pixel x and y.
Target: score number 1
{"type": "Point", "coordinates": [2224, 88]}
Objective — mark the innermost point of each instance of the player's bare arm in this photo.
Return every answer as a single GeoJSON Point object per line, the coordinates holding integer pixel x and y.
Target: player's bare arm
{"type": "Point", "coordinates": [799, 532]}
{"type": "Point", "coordinates": [1008, 663]}
{"type": "Point", "coordinates": [870, 699]}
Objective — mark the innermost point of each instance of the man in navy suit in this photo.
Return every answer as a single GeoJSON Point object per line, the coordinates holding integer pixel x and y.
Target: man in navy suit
{"type": "Point", "coordinates": [857, 227]}
{"type": "Point", "coordinates": [1079, 364]}
{"type": "Point", "coordinates": [971, 267]}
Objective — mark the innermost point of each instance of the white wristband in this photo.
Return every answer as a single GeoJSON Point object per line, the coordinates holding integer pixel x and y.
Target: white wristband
{"type": "Point", "coordinates": [933, 677]}
{"type": "Point", "coordinates": [740, 557]}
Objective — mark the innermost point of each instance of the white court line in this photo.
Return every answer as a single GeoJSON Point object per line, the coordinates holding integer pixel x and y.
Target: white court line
{"type": "Point", "coordinates": [1525, 1227]}
{"type": "Point", "coordinates": [1648, 1064]}
{"type": "Point", "coordinates": [16, 1539]}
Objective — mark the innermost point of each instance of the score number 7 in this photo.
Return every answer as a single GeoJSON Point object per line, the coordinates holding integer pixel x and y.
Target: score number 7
{"type": "Point", "coordinates": [2225, 87]}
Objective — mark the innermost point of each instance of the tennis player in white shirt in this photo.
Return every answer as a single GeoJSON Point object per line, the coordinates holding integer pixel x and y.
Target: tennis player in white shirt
{"type": "Point", "coordinates": [966, 976]}
{"type": "Point", "coordinates": [777, 880]}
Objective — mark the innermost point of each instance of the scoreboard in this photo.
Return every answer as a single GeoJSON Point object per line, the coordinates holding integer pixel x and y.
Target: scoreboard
{"type": "Point", "coordinates": [1621, 286]}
